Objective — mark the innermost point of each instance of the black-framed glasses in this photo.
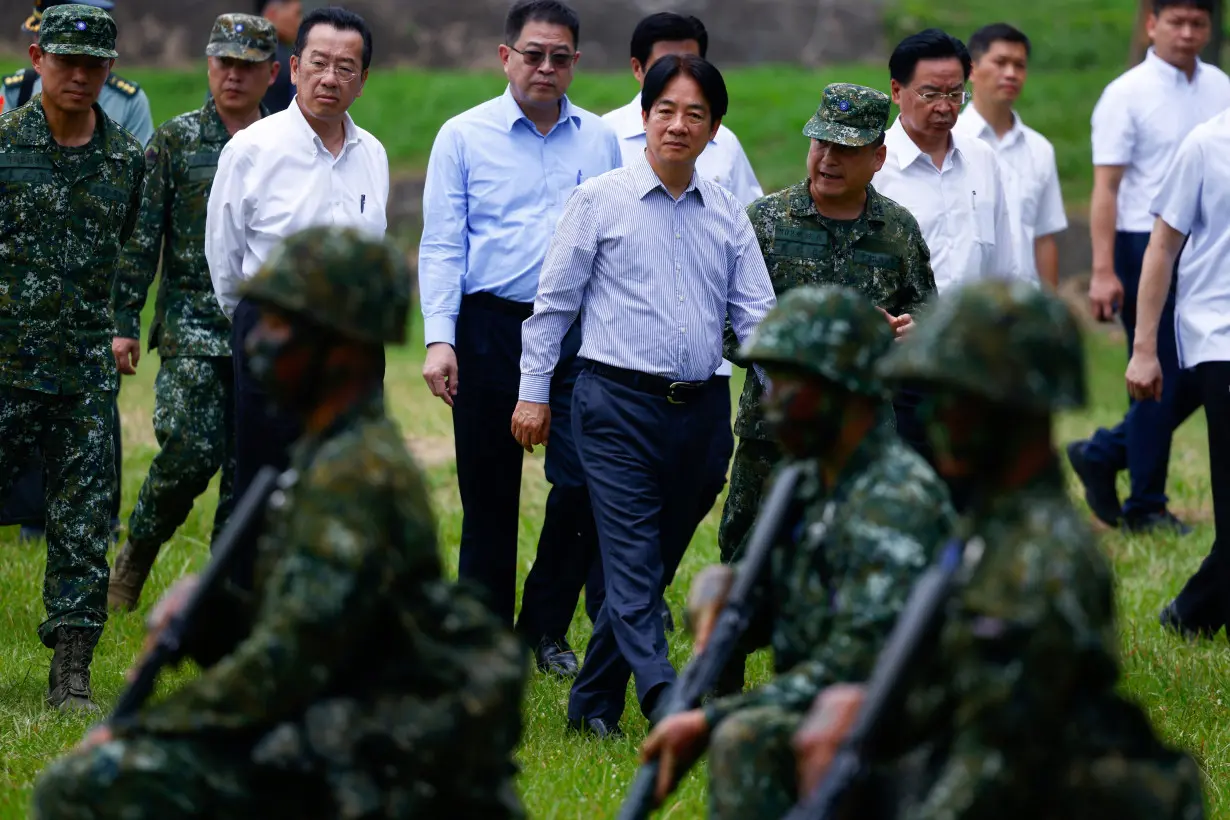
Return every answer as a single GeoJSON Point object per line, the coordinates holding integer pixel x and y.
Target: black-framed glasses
{"type": "Point", "coordinates": [559, 59]}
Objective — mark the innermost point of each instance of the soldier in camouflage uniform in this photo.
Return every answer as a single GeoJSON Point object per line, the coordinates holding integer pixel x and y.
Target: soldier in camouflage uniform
{"type": "Point", "coordinates": [869, 510]}
{"type": "Point", "coordinates": [193, 394]}
{"type": "Point", "coordinates": [1014, 712]}
{"type": "Point", "coordinates": [68, 198]}
{"type": "Point", "coordinates": [353, 682]}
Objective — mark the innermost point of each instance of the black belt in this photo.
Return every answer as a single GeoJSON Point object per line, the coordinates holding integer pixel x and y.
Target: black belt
{"type": "Point", "coordinates": [489, 301]}
{"type": "Point", "coordinates": [675, 392]}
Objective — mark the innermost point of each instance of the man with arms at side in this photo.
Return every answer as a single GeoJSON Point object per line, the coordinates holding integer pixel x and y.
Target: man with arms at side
{"type": "Point", "coordinates": [194, 391]}
{"type": "Point", "coordinates": [654, 257]}
{"type": "Point", "coordinates": [1001, 55]}
{"type": "Point", "coordinates": [497, 181]}
{"type": "Point", "coordinates": [308, 165]}
{"type": "Point", "coordinates": [1137, 126]}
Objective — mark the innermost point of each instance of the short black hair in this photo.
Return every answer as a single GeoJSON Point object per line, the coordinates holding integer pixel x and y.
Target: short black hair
{"type": "Point", "coordinates": [665, 27]}
{"type": "Point", "coordinates": [698, 68]}
{"type": "Point", "coordinates": [980, 41]}
{"type": "Point", "coordinates": [1200, 5]}
{"type": "Point", "coordinates": [932, 44]}
{"type": "Point", "coordinates": [552, 12]}
{"type": "Point", "coordinates": [342, 20]}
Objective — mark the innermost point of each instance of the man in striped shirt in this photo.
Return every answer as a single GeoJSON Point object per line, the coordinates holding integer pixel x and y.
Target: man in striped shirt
{"type": "Point", "coordinates": [654, 258]}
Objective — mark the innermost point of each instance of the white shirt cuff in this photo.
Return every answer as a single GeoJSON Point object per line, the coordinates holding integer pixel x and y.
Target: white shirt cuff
{"type": "Point", "coordinates": [724, 369]}
{"type": "Point", "coordinates": [536, 389]}
{"type": "Point", "coordinates": [440, 329]}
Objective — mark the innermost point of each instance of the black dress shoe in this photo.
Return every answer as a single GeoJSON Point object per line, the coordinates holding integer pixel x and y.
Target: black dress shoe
{"type": "Point", "coordinates": [555, 656]}
{"type": "Point", "coordinates": [595, 726]}
{"type": "Point", "coordinates": [1170, 621]}
{"type": "Point", "coordinates": [1101, 494]}
{"type": "Point", "coordinates": [1146, 523]}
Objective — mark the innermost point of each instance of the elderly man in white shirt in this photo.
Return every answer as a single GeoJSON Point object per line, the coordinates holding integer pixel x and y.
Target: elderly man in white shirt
{"type": "Point", "coordinates": [950, 182]}
{"type": "Point", "coordinates": [1000, 55]}
{"type": "Point", "coordinates": [308, 165]}
{"type": "Point", "coordinates": [1138, 124]}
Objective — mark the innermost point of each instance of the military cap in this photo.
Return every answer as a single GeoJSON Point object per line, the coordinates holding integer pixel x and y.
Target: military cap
{"type": "Point", "coordinates": [849, 114]}
{"type": "Point", "coordinates": [339, 278]}
{"type": "Point", "coordinates": [1007, 341]}
{"type": "Point", "coordinates": [243, 37]}
{"type": "Point", "coordinates": [32, 22]}
{"type": "Point", "coordinates": [832, 332]}
{"type": "Point", "coordinates": [77, 29]}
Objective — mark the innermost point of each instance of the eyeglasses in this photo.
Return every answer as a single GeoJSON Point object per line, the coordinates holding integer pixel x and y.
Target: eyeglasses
{"type": "Point", "coordinates": [319, 68]}
{"type": "Point", "coordinates": [559, 59]}
{"type": "Point", "coordinates": [957, 98]}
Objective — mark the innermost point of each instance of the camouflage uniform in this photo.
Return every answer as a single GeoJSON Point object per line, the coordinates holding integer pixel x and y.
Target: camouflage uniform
{"type": "Point", "coordinates": [56, 369]}
{"type": "Point", "coordinates": [194, 391]}
{"type": "Point", "coordinates": [834, 591]}
{"type": "Point", "coordinates": [354, 682]}
{"type": "Point", "coordinates": [1014, 713]}
{"type": "Point", "coordinates": [881, 254]}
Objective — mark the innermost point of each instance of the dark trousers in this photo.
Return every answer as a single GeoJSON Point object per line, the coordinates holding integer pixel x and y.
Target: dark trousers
{"type": "Point", "coordinates": [1204, 602]}
{"type": "Point", "coordinates": [1141, 442]}
{"type": "Point", "coordinates": [488, 346]}
{"type": "Point", "coordinates": [263, 434]}
{"type": "Point", "coordinates": [649, 466]}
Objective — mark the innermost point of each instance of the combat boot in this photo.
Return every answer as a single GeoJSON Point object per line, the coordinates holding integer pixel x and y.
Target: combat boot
{"type": "Point", "coordinates": [68, 685]}
{"type": "Point", "coordinates": [132, 565]}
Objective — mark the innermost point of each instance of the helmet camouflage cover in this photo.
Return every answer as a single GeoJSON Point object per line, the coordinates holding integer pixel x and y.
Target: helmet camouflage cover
{"type": "Point", "coordinates": [833, 332]}
{"type": "Point", "coordinates": [340, 279]}
{"type": "Point", "coordinates": [1006, 341]}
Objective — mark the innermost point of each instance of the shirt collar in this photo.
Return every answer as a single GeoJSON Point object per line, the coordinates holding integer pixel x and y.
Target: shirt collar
{"type": "Point", "coordinates": [36, 133]}
{"type": "Point", "coordinates": [802, 205]}
{"type": "Point", "coordinates": [513, 113]}
{"type": "Point", "coordinates": [1168, 72]}
{"type": "Point", "coordinates": [353, 137]}
{"type": "Point", "coordinates": [906, 150]}
{"type": "Point", "coordinates": [213, 129]}
{"type": "Point", "coordinates": [973, 123]}
{"type": "Point", "coordinates": [646, 180]}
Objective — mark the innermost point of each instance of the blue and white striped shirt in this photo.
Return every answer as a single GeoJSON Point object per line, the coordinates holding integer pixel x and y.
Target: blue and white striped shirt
{"type": "Point", "coordinates": [654, 278]}
{"type": "Point", "coordinates": [495, 188]}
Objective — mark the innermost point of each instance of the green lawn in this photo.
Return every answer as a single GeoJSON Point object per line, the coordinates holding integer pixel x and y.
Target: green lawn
{"type": "Point", "coordinates": [1183, 686]}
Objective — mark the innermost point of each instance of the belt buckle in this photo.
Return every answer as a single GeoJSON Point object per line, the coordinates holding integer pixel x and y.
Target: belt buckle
{"type": "Point", "coordinates": [670, 392]}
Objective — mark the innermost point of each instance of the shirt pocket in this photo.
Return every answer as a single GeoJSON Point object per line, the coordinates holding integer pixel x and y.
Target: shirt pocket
{"type": "Point", "coordinates": [984, 219]}
{"type": "Point", "coordinates": [796, 256]}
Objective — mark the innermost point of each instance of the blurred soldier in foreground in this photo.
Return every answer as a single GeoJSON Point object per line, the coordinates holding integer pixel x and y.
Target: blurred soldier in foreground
{"type": "Point", "coordinates": [70, 190]}
{"type": "Point", "coordinates": [194, 391]}
{"type": "Point", "coordinates": [353, 682]}
{"type": "Point", "coordinates": [125, 103]}
{"type": "Point", "coordinates": [1013, 712]}
{"type": "Point", "coordinates": [869, 510]}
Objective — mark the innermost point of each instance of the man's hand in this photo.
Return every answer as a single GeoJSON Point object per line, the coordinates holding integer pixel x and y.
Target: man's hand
{"type": "Point", "coordinates": [817, 741]}
{"type": "Point", "coordinates": [531, 424]}
{"type": "Point", "coordinates": [1105, 294]}
{"type": "Point", "coordinates": [1144, 377]}
{"type": "Point", "coordinates": [171, 604]}
{"type": "Point", "coordinates": [676, 743]}
{"type": "Point", "coordinates": [124, 351]}
{"type": "Point", "coordinates": [705, 601]}
{"type": "Point", "coordinates": [94, 738]}
{"type": "Point", "coordinates": [440, 371]}
{"type": "Point", "coordinates": [901, 325]}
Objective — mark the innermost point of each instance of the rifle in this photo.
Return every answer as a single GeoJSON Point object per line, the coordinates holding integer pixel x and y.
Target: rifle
{"type": "Point", "coordinates": [701, 674]}
{"type": "Point", "coordinates": [225, 554]}
{"type": "Point", "coordinates": [918, 621]}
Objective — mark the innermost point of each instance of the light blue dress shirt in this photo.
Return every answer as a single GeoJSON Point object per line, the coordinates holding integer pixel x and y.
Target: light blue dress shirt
{"type": "Point", "coordinates": [495, 188]}
{"type": "Point", "coordinates": [653, 277]}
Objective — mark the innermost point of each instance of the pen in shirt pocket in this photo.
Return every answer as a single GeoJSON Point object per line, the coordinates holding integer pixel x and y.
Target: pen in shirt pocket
{"type": "Point", "coordinates": [579, 177]}
{"type": "Point", "coordinates": [362, 202]}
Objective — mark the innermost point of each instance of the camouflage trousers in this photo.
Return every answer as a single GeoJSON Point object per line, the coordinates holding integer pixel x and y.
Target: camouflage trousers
{"type": "Point", "coordinates": [74, 433]}
{"type": "Point", "coordinates": [754, 461]}
{"type": "Point", "coordinates": [194, 422]}
{"type": "Point", "coordinates": [752, 770]}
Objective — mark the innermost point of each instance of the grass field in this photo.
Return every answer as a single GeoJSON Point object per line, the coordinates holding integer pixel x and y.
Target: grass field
{"type": "Point", "coordinates": [1183, 686]}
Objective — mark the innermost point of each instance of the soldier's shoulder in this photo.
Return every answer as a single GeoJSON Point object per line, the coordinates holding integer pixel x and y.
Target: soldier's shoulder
{"type": "Point", "coordinates": [121, 141]}
{"type": "Point", "coordinates": [13, 80]}
{"type": "Point", "coordinates": [895, 215]}
{"type": "Point", "coordinates": [775, 205]}
{"type": "Point", "coordinates": [181, 128]}
{"type": "Point", "coordinates": [898, 485]}
{"type": "Point", "coordinates": [120, 85]}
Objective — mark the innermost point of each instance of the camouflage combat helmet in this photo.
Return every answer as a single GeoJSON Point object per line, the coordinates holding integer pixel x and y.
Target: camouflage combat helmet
{"type": "Point", "coordinates": [832, 332]}
{"type": "Point", "coordinates": [341, 279]}
{"type": "Point", "coordinates": [1007, 341]}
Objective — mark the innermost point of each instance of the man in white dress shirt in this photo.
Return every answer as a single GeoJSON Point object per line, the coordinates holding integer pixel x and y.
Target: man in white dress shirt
{"type": "Point", "coordinates": [1138, 124]}
{"type": "Point", "coordinates": [308, 165]}
{"type": "Point", "coordinates": [1000, 55]}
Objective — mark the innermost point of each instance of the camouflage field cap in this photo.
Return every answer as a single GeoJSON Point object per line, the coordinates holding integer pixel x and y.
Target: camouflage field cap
{"type": "Point", "coordinates": [1007, 341]}
{"type": "Point", "coordinates": [243, 37]}
{"type": "Point", "coordinates": [77, 29]}
{"type": "Point", "coordinates": [40, 6]}
{"type": "Point", "coordinates": [849, 114]}
{"type": "Point", "coordinates": [341, 279]}
{"type": "Point", "coordinates": [832, 332]}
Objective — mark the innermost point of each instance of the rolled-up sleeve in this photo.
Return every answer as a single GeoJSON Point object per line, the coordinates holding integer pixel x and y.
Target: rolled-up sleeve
{"type": "Point", "coordinates": [225, 220]}
{"type": "Point", "coordinates": [444, 247]}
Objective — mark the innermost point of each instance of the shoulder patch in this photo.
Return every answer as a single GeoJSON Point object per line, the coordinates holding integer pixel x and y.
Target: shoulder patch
{"type": "Point", "coordinates": [125, 87]}
{"type": "Point", "coordinates": [14, 79]}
